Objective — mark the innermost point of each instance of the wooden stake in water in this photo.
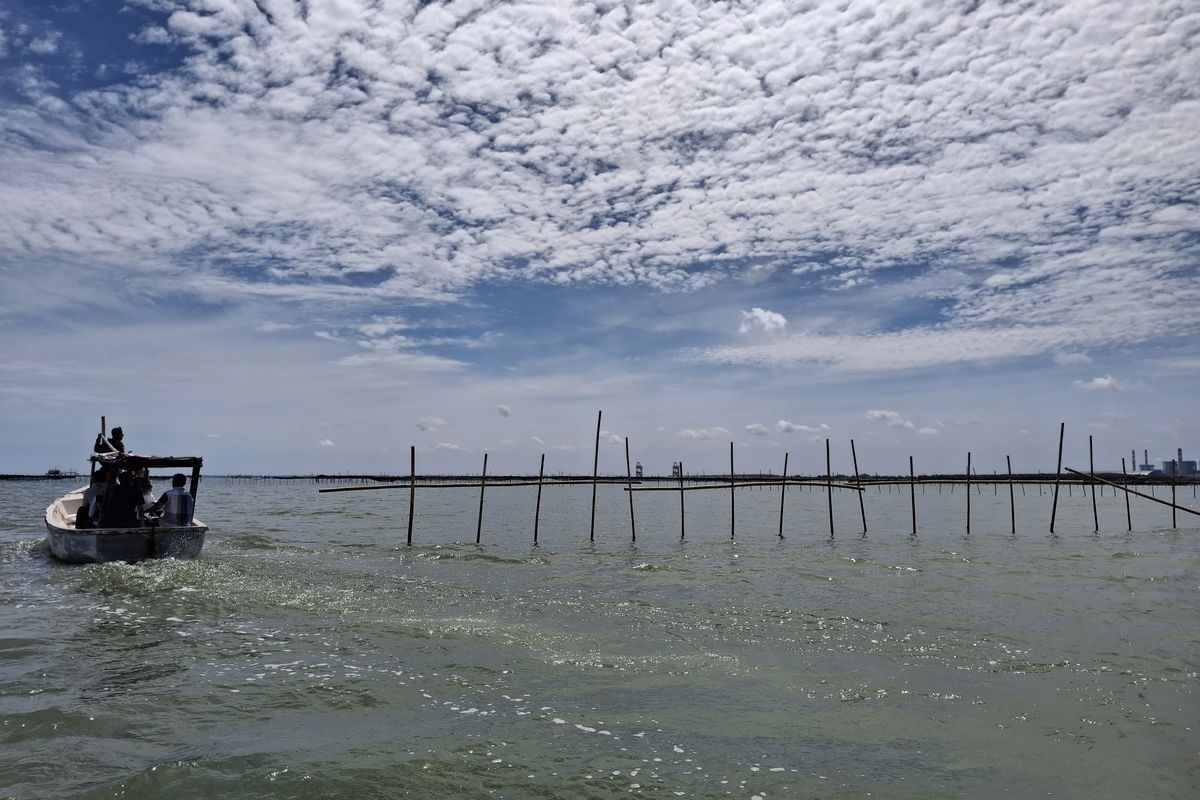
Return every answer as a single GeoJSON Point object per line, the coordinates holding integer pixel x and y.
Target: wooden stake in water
{"type": "Point", "coordinates": [1092, 469]}
{"type": "Point", "coordinates": [1125, 480]}
{"type": "Point", "coordinates": [482, 481]}
{"type": "Point", "coordinates": [782, 494]}
{"type": "Point", "coordinates": [829, 485]}
{"type": "Point", "coordinates": [732, 494]}
{"type": "Point", "coordinates": [968, 493]}
{"type": "Point", "coordinates": [861, 507]}
{"type": "Point", "coordinates": [1012, 500]}
{"type": "Point", "coordinates": [412, 488]}
{"type": "Point", "coordinates": [1062, 428]}
{"type": "Point", "coordinates": [912, 490]}
{"type": "Point", "coordinates": [595, 472]}
{"type": "Point", "coordinates": [629, 485]}
{"type": "Point", "coordinates": [537, 509]}
{"type": "Point", "coordinates": [1174, 472]}
{"type": "Point", "coordinates": [682, 528]}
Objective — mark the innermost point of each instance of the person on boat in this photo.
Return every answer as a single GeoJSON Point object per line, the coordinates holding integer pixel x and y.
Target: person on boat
{"type": "Point", "coordinates": [93, 496]}
{"type": "Point", "coordinates": [110, 444]}
{"type": "Point", "coordinates": [122, 504]}
{"type": "Point", "coordinates": [176, 504]}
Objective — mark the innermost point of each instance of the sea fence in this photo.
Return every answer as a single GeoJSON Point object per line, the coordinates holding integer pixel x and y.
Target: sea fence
{"type": "Point", "coordinates": [1064, 478]}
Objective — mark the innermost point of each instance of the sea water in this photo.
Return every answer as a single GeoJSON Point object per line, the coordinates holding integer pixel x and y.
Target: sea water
{"type": "Point", "coordinates": [309, 653]}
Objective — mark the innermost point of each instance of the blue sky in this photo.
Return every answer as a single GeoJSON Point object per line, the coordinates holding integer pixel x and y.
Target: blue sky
{"type": "Point", "coordinates": [300, 237]}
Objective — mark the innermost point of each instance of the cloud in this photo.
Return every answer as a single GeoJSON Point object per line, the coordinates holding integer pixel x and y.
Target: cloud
{"type": "Point", "coordinates": [430, 423]}
{"type": "Point", "coordinates": [891, 419]}
{"type": "Point", "coordinates": [762, 319]}
{"type": "Point", "coordinates": [326, 443]}
{"type": "Point", "coordinates": [703, 433]}
{"type": "Point", "coordinates": [504, 410]}
{"type": "Point", "coordinates": [612, 438]}
{"type": "Point", "coordinates": [450, 446]}
{"type": "Point", "coordinates": [1104, 383]}
{"type": "Point", "coordinates": [757, 429]}
{"type": "Point", "coordinates": [273, 327]}
{"type": "Point", "coordinates": [784, 426]}
{"type": "Point", "coordinates": [1072, 359]}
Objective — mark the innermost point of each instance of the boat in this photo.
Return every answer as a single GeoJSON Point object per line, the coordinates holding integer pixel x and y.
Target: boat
{"type": "Point", "coordinates": [94, 545]}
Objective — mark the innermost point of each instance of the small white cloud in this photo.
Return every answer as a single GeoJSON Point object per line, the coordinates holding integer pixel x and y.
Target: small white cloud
{"type": "Point", "coordinates": [928, 431]}
{"type": "Point", "coordinates": [326, 443]}
{"type": "Point", "coordinates": [430, 423]}
{"type": "Point", "coordinates": [762, 319]}
{"type": "Point", "coordinates": [382, 326]}
{"type": "Point", "coordinates": [1104, 383]}
{"type": "Point", "coordinates": [611, 437]}
{"type": "Point", "coordinates": [537, 440]}
{"type": "Point", "coordinates": [327, 335]}
{"type": "Point", "coordinates": [504, 410]}
{"type": "Point", "coordinates": [783, 426]}
{"type": "Point", "coordinates": [272, 327]}
{"type": "Point", "coordinates": [449, 446]}
{"type": "Point", "coordinates": [757, 429]}
{"type": "Point", "coordinates": [703, 433]}
{"type": "Point", "coordinates": [1072, 359]}
{"type": "Point", "coordinates": [891, 419]}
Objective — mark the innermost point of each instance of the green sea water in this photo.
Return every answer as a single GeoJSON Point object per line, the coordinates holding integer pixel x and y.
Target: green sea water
{"type": "Point", "coordinates": [310, 654]}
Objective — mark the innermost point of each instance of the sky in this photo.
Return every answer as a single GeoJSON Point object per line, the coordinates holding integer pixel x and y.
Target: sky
{"type": "Point", "coordinates": [303, 236]}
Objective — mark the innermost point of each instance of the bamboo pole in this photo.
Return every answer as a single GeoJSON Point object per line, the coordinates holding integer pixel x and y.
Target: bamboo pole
{"type": "Point", "coordinates": [482, 481]}
{"type": "Point", "coordinates": [1174, 473]}
{"type": "Point", "coordinates": [732, 494]}
{"type": "Point", "coordinates": [595, 472]}
{"type": "Point", "coordinates": [682, 527]}
{"type": "Point", "coordinates": [1058, 472]}
{"type": "Point", "coordinates": [968, 493]}
{"type": "Point", "coordinates": [1133, 492]}
{"type": "Point", "coordinates": [829, 485]}
{"type": "Point", "coordinates": [861, 506]}
{"type": "Point", "coordinates": [782, 493]}
{"type": "Point", "coordinates": [1092, 468]}
{"type": "Point", "coordinates": [1012, 499]}
{"type": "Point", "coordinates": [1125, 480]}
{"type": "Point", "coordinates": [412, 488]}
{"type": "Point", "coordinates": [912, 490]}
{"type": "Point", "coordinates": [628, 486]}
{"type": "Point", "coordinates": [537, 509]}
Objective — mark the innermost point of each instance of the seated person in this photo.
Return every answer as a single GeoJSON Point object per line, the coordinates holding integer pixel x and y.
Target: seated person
{"type": "Point", "coordinates": [122, 503]}
{"type": "Point", "coordinates": [83, 517]}
{"type": "Point", "coordinates": [93, 497]}
{"type": "Point", "coordinates": [176, 504]}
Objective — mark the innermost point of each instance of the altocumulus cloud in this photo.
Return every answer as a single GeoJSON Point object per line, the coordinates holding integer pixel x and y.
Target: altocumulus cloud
{"type": "Point", "coordinates": [361, 151]}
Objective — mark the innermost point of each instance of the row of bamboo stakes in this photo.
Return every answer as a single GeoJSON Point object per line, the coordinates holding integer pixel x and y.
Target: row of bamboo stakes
{"type": "Point", "coordinates": [858, 485]}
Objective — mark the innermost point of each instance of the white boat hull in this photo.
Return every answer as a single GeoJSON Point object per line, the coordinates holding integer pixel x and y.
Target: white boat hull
{"type": "Point", "coordinates": [116, 544]}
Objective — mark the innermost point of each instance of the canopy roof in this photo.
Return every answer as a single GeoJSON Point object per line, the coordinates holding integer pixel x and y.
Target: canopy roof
{"type": "Point", "coordinates": [135, 461]}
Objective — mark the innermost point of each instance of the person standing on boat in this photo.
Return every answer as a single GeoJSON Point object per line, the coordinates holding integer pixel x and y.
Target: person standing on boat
{"type": "Point", "coordinates": [110, 444]}
{"type": "Point", "coordinates": [93, 497]}
{"type": "Point", "coordinates": [122, 503]}
{"type": "Point", "coordinates": [176, 504]}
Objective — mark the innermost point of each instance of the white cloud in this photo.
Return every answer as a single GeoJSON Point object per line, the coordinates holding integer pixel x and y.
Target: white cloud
{"type": "Point", "coordinates": [1072, 359]}
{"type": "Point", "coordinates": [504, 410]}
{"type": "Point", "coordinates": [703, 433]}
{"type": "Point", "coordinates": [450, 446]}
{"type": "Point", "coordinates": [762, 319]}
{"type": "Point", "coordinates": [273, 327]}
{"type": "Point", "coordinates": [784, 426]}
{"type": "Point", "coordinates": [430, 423]}
{"type": "Point", "coordinates": [891, 419]}
{"type": "Point", "coordinates": [326, 443]}
{"type": "Point", "coordinates": [757, 429]}
{"type": "Point", "coordinates": [612, 438]}
{"type": "Point", "coordinates": [1104, 383]}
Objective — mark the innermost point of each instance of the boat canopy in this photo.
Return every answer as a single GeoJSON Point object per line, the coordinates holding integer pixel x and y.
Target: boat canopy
{"type": "Point", "coordinates": [136, 461]}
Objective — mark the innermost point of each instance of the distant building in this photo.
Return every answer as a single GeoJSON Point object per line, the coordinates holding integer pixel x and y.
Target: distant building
{"type": "Point", "coordinates": [675, 469]}
{"type": "Point", "coordinates": [1178, 468]}
{"type": "Point", "coordinates": [638, 469]}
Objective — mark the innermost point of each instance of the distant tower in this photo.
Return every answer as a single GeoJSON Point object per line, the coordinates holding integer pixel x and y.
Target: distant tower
{"type": "Point", "coordinates": [1133, 459]}
{"type": "Point", "coordinates": [639, 469]}
{"type": "Point", "coordinates": [674, 469]}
